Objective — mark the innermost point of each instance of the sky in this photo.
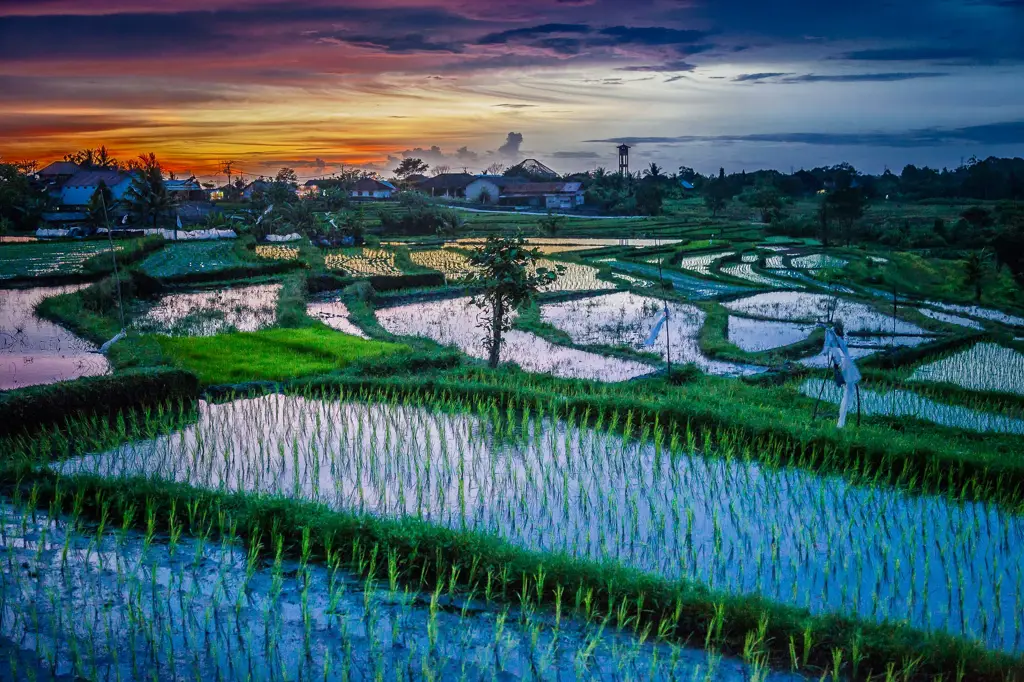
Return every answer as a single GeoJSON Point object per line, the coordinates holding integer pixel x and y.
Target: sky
{"type": "Point", "coordinates": [318, 85]}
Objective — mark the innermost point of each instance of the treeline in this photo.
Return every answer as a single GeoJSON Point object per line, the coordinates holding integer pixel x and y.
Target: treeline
{"type": "Point", "coordinates": [991, 179]}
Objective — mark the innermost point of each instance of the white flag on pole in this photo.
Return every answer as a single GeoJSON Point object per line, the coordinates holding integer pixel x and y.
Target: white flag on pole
{"type": "Point", "coordinates": [179, 222]}
{"type": "Point", "coordinates": [653, 337]}
{"type": "Point", "coordinates": [124, 220]}
{"type": "Point", "coordinates": [264, 214]}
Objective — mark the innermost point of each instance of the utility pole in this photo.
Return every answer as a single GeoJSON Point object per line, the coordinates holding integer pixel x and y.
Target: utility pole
{"type": "Point", "coordinates": [226, 168]}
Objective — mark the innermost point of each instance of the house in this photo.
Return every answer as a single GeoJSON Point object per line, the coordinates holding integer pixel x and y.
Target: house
{"type": "Point", "coordinates": [54, 176]}
{"type": "Point", "coordinates": [185, 190]}
{"type": "Point", "coordinates": [447, 185]}
{"type": "Point", "coordinates": [311, 188]}
{"type": "Point", "coordinates": [79, 188]}
{"type": "Point", "coordinates": [224, 193]}
{"type": "Point", "coordinates": [487, 189]}
{"type": "Point", "coordinates": [415, 179]}
{"type": "Point", "coordinates": [370, 188]}
{"type": "Point", "coordinates": [562, 196]}
{"type": "Point", "coordinates": [256, 187]}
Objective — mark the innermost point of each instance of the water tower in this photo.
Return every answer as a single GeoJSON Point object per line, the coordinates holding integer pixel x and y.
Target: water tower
{"type": "Point", "coordinates": [623, 159]}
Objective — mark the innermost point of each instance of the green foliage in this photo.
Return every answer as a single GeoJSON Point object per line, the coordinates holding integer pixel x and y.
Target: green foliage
{"type": "Point", "coordinates": [504, 271]}
{"type": "Point", "coordinates": [101, 203]}
{"type": "Point", "coordinates": [22, 202]}
{"type": "Point", "coordinates": [977, 271]}
{"type": "Point", "coordinates": [271, 355]}
{"type": "Point", "coordinates": [29, 408]}
{"type": "Point", "coordinates": [411, 166]}
{"type": "Point", "coordinates": [766, 198]}
{"type": "Point", "coordinates": [147, 197]}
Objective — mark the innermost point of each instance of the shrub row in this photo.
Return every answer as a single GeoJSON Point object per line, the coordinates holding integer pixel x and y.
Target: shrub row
{"type": "Point", "coordinates": [26, 409]}
{"type": "Point", "coordinates": [321, 282]}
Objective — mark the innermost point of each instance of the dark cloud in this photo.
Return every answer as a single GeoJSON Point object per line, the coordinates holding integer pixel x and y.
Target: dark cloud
{"type": "Point", "coordinates": [521, 34]}
{"type": "Point", "coordinates": [911, 54]}
{"type": "Point", "coordinates": [754, 77]}
{"type": "Point", "coordinates": [512, 144]}
{"type": "Point", "coordinates": [576, 155]}
{"type": "Point", "coordinates": [860, 77]}
{"type": "Point", "coordinates": [515, 106]}
{"type": "Point", "coordinates": [668, 67]}
{"type": "Point", "coordinates": [992, 134]}
{"type": "Point", "coordinates": [413, 42]}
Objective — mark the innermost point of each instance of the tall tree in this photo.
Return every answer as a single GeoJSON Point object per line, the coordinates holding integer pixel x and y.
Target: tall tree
{"type": "Point", "coordinates": [654, 172]}
{"type": "Point", "coordinates": [22, 201]}
{"type": "Point", "coordinates": [101, 203]}
{"type": "Point", "coordinates": [977, 269]}
{"type": "Point", "coordinates": [766, 198]}
{"type": "Point", "coordinates": [508, 273]}
{"type": "Point", "coordinates": [846, 206]}
{"type": "Point", "coordinates": [411, 166]}
{"type": "Point", "coordinates": [147, 197]}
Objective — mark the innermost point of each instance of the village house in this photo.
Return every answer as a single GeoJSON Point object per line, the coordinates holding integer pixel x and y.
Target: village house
{"type": "Point", "coordinates": [188, 189]}
{"type": "Point", "coordinates": [487, 189]}
{"type": "Point", "coordinates": [78, 189]}
{"type": "Point", "coordinates": [370, 188]}
{"type": "Point", "coordinates": [561, 196]}
{"type": "Point", "coordinates": [452, 185]}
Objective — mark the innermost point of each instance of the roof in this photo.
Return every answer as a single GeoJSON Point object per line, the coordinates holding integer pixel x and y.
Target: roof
{"type": "Point", "coordinates": [535, 188]}
{"type": "Point", "coordinates": [92, 178]}
{"type": "Point", "coordinates": [60, 168]}
{"type": "Point", "coordinates": [447, 181]}
{"type": "Point", "coordinates": [416, 178]}
{"type": "Point", "coordinates": [532, 167]}
{"type": "Point", "coordinates": [686, 184]}
{"type": "Point", "coordinates": [189, 185]}
{"type": "Point", "coordinates": [501, 181]}
{"type": "Point", "coordinates": [372, 185]}
{"type": "Point", "coordinates": [312, 183]}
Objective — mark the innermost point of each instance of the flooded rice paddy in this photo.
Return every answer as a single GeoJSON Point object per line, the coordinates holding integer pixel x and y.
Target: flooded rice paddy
{"type": "Point", "coordinates": [818, 261]}
{"type": "Point", "coordinates": [36, 351]}
{"type": "Point", "coordinates": [795, 306]}
{"type": "Point", "coordinates": [208, 313]}
{"type": "Point", "coordinates": [898, 403]}
{"type": "Point", "coordinates": [951, 319]}
{"type": "Point", "coordinates": [980, 313]}
{"type": "Point", "coordinates": [626, 319]}
{"type": "Point", "coordinates": [38, 259]}
{"type": "Point", "coordinates": [983, 367]}
{"type": "Point", "coordinates": [334, 314]}
{"type": "Point", "coordinates": [85, 603]}
{"type": "Point", "coordinates": [456, 322]}
{"type": "Point", "coordinates": [755, 336]}
{"type": "Point", "coordinates": [650, 501]}
{"type": "Point", "coordinates": [692, 287]}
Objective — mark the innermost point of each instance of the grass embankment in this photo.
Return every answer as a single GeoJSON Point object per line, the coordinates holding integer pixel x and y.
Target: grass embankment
{"type": "Point", "coordinates": [427, 557]}
{"type": "Point", "coordinates": [270, 355]}
{"type": "Point", "coordinates": [93, 314]}
{"type": "Point", "coordinates": [714, 341]}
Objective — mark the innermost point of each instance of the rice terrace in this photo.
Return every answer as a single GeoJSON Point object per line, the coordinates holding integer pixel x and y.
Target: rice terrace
{"type": "Point", "coordinates": [333, 382]}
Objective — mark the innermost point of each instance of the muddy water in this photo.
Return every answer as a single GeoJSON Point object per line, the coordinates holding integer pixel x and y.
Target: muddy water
{"type": "Point", "coordinates": [118, 606]}
{"type": "Point", "coordinates": [806, 540]}
{"type": "Point", "coordinates": [36, 351]}
{"type": "Point", "coordinates": [456, 322]}
{"type": "Point", "coordinates": [627, 319]}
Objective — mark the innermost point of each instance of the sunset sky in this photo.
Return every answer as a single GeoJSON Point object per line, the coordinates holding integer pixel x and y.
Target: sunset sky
{"type": "Point", "coordinates": [705, 83]}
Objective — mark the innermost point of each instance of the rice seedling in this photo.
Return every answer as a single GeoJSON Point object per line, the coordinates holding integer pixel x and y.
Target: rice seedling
{"type": "Point", "coordinates": [629, 280]}
{"type": "Point", "coordinates": [951, 319]}
{"type": "Point", "coordinates": [702, 264]}
{"type": "Point", "coordinates": [583, 243]}
{"type": "Point", "coordinates": [626, 319]}
{"type": "Point", "coordinates": [574, 277]}
{"type": "Point", "coordinates": [983, 367]}
{"type": "Point", "coordinates": [665, 503]}
{"type": "Point", "coordinates": [208, 313]}
{"type": "Point", "coordinates": [691, 287]}
{"type": "Point", "coordinates": [900, 403]}
{"type": "Point", "coordinates": [36, 351]}
{"type": "Point", "coordinates": [809, 307]}
{"type": "Point", "coordinates": [363, 262]}
{"type": "Point", "coordinates": [453, 264]}
{"type": "Point", "coordinates": [276, 252]}
{"type": "Point", "coordinates": [455, 322]}
{"type": "Point", "coordinates": [183, 258]}
{"type": "Point", "coordinates": [38, 259]}
{"type": "Point", "coordinates": [105, 601]}
{"type": "Point", "coordinates": [746, 271]}
{"type": "Point", "coordinates": [819, 261]}
{"type": "Point", "coordinates": [980, 313]}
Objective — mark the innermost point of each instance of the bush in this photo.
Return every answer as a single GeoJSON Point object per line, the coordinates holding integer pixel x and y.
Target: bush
{"type": "Point", "coordinates": [29, 408]}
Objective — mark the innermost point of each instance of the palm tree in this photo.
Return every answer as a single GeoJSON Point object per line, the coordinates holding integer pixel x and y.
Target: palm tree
{"type": "Point", "coordinates": [147, 197]}
{"type": "Point", "coordinates": [976, 270]}
{"type": "Point", "coordinates": [654, 172]}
